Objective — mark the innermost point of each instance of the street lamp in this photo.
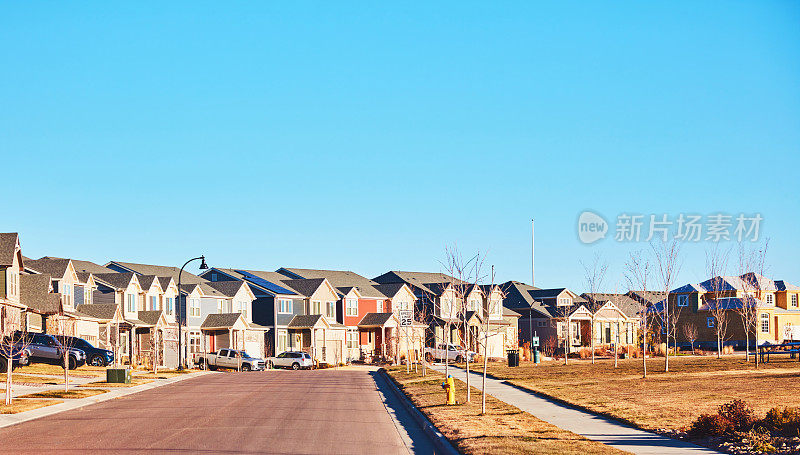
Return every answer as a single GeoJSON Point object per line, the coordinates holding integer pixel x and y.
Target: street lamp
{"type": "Point", "coordinates": [203, 266]}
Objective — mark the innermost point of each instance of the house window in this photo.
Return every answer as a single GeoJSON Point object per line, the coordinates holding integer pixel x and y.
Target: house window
{"type": "Point", "coordinates": [131, 303]}
{"type": "Point", "coordinates": [352, 307]}
{"type": "Point", "coordinates": [66, 292]}
{"type": "Point", "coordinates": [285, 306]}
{"type": "Point", "coordinates": [379, 306]}
{"type": "Point", "coordinates": [194, 307]}
{"type": "Point", "coordinates": [564, 301]}
{"type": "Point", "coordinates": [446, 306]}
{"type": "Point", "coordinates": [765, 322]}
{"type": "Point", "coordinates": [243, 308]}
{"type": "Point", "coordinates": [330, 309]}
{"type": "Point", "coordinates": [170, 305]}
{"type": "Point", "coordinates": [13, 282]}
{"type": "Point", "coordinates": [213, 276]}
{"type": "Point", "coordinates": [316, 307]}
{"type": "Point", "coordinates": [352, 339]}
{"type": "Point", "coordinates": [194, 342]}
{"type": "Point", "coordinates": [794, 300]}
{"type": "Point", "coordinates": [710, 322]}
{"type": "Point", "coordinates": [281, 342]}
{"type": "Point", "coordinates": [770, 299]}
{"type": "Point", "coordinates": [473, 305]}
{"type": "Point", "coordinates": [87, 295]}
{"type": "Point", "coordinates": [683, 300]}
{"type": "Point", "coordinates": [541, 323]}
{"type": "Point", "coordinates": [496, 309]}
{"type": "Point", "coordinates": [153, 302]}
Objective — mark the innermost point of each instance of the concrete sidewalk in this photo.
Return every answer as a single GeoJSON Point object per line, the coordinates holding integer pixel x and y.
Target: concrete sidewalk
{"type": "Point", "coordinates": [588, 425]}
{"type": "Point", "coordinates": [67, 404]}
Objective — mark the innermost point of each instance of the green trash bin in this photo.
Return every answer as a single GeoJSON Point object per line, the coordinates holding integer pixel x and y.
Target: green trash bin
{"type": "Point", "coordinates": [119, 375]}
{"type": "Point", "coordinates": [536, 356]}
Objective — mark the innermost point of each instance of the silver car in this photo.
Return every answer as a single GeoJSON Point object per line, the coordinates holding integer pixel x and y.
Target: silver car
{"type": "Point", "coordinates": [291, 359]}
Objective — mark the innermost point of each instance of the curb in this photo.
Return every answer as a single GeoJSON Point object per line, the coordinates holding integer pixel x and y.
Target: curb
{"type": "Point", "coordinates": [443, 446]}
{"type": "Point", "coordinates": [7, 420]}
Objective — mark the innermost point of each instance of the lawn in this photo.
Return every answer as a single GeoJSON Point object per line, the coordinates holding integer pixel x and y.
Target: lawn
{"type": "Point", "coordinates": [133, 383]}
{"type": "Point", "coordinates": [25, 405]}
{"type": "Point", "coordinates": [86, 371]}
{"type": "Point", "coordinates": [671, 400]}
{"type": "Point", "coordinates": [74, 393]}
{"type": "Point", "coordinates": [503, 430]}
{"type": "Point", "coordinates": [25, 379]}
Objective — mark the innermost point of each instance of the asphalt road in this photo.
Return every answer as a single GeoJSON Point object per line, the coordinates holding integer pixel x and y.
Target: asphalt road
{"type": "Point", "coordinates": [322, 411]}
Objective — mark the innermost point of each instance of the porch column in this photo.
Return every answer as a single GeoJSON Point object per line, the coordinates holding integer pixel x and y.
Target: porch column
{"type": "Point", "coordinates": [230, 339]}
{"type": "Point", "coordinates": [383, 341]}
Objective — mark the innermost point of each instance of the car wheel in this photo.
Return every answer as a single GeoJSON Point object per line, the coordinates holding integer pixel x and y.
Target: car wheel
{"type": "Point", "coordinates": [270, 366]}
{"type": "Point", "coordinates": [72, 363]}
{"type": "Point", "coordinates": [3, 365]}
{"type": "Point", "coordinates": [459, 359]}
{"type": "Point", "coordinates": [428, 357]}
{"type": "Point", "coordinates": [97, 361]}
{"type": "Point", "coordinates": [246, 367]}
{"type": "Point", "coordinates": [212, 367]}
{"type": "Point", "coordinates": [295, 366]}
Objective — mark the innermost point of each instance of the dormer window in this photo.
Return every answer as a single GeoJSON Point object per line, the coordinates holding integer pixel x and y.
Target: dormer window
{"type": "Point", "coordinates": [564, 301]}
{"type": "Point", "coordinates": [683, 300]}
{"type": "Point", "coordinates": [770, 299]}
{"type": "Point", "coordinates": [794, 300]}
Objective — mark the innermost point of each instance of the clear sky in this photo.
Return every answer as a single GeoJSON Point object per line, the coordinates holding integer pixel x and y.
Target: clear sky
{"type": "Point", "coordinates": [367, 136]}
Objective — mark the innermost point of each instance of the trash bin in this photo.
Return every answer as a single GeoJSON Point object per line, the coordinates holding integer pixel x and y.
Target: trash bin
{"type": "Point", "coordinates": [118, 375]}
{"type": "Point", "coordinates": [536, 356]}
{"type": "Point", "coordinates": [513, 357]}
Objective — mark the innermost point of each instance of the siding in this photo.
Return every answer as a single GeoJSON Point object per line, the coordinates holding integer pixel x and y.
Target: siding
{"type": "Point", "coordinates": [3, 290]}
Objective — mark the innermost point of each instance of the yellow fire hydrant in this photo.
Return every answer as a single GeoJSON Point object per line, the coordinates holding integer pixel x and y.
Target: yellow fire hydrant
{"type": "Point", "coordinates": [449, 386]}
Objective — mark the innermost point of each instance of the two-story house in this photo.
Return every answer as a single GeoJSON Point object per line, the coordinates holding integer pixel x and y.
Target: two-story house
{"type": "Point", "coordinates": [11, 267]}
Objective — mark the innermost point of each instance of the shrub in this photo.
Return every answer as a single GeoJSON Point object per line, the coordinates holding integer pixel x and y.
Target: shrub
{"type": "Point", "coordinates": [710, 425]}
{"type": "Point", "coordinates": [584, 353]}
{"type": "Point", "coordinates": [730, 417]}
{"type": "Point", "coordinates": [739, 414]}
{"type": "Point", "coordinates": [727, 349]}
{"type": "Point", "coordinates": [785, 421]}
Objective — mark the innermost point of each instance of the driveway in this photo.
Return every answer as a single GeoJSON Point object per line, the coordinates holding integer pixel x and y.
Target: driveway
{"type": "Point", "coordinates": [321, 411]}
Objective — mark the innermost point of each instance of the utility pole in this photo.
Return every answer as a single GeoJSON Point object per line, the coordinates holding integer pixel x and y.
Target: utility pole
{"type": "Point", "coordinates": [533, 276]}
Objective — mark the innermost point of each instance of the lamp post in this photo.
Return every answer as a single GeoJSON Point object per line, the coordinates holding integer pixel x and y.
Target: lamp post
{"type": "Point", "coordinates": [203, 266]}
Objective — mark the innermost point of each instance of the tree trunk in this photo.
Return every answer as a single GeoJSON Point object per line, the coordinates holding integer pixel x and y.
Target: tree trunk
{"type": "Point", "coordinates": [567, 341]}
{"type": "Point", "coordinates": [8, 380]}
{"type": "Point", "coordinates": [66, 371]}
{"type": "Point", "coordinates": [644, 353]}
{"type": "Point", "coordinates": [591, 334]}
{"type": "Point", "coordinates": [466, 359]}
{"type": "Point", "coordinates": [485, 365]}
{"type": "Point", "coordinates": [719, 346]}
{"type": "Point", "coordinates": [666, 352]}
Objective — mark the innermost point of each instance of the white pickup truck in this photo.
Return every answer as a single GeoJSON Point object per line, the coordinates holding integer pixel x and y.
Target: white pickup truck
{"type": "Point", "coordinates": [451, 352]}
{"type": "Point", "coordinates": [228, 358]}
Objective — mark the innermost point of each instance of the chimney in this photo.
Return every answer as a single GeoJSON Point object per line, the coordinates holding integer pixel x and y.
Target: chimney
{"type": "Point", "coordinates": [532, 245]}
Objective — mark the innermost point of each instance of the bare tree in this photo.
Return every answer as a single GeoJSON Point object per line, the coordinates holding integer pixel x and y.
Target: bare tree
{"type": "Point", "coordinates": [467, 274]}
{"type": "Point", "coordinates": [716, 266]}
{"type": "Point", "coordinates": [751, 270]}
{"type": "Point", "coordinates": [690, 333]}
{"type": "Point", "coordinates": [637, 272]}
{"type": "Point", "coordinates": [65, 328]}
{"type": "Point", "coordinates": [594, 275]}
{"type": "Point", "coordinates": [10, 346]}
{"type": "Point", "coordinates": [563, 312]}
{"type": "Point", "coordinates": [665, 255]}
{"type": "Point", "coordinates": [491, 304]}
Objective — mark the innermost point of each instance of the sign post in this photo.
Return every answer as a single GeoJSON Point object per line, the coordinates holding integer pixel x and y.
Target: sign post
{"type": "Point", "coordinates": [406, 319]}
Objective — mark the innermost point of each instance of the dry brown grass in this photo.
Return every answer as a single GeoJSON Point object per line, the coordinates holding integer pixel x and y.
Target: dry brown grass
{"type": "Point", "coordinates": [24, 379]}
{"type": "Point", "coordinates": [133, 383]}
{"type": "Point", "coordinates": [671, 400]}
{"type": "Point", "coordinates": [503, 430]}
{"type": "Point", "coordinates": [75, 393]}
{"type": "Point", "coordinates": [55, 370]}
{"type": "Point", "coordinates": [162, 374]}
{"type": "Point", "coordinates": [18, 405]}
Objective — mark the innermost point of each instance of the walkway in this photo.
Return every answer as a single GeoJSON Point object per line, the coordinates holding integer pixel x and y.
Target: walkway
{"type": "Point", "coordinates": [588, 425]}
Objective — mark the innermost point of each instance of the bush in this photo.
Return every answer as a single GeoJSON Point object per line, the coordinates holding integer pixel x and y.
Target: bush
{"type": "Point", "coordinates": [785, 421]}
{"type": "Point", "coordinates": [739, 414]}
{"type": "Point", "coordinates": [710, 425]}
{"type": "Point", "coordinates": [730, 418]}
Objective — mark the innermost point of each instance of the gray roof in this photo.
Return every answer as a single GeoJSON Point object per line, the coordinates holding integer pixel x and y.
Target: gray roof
{"type": "Point", "coordinates": [417, 279]}
{"type": "Point", "coordinates": [339, 279]}
{"type": "Point", "coordinates": [99, 310]}
{"type": "Point", "coordinates": [389, 289]}
{"type": "Point", "coordinates": [146, 281]}
{"type": "Point", "coordinates": [624, 302]}
{"type": "Point", "coordinates": [272, 277]}
{"type": "Point", "coordinates": [164, 281]}
{"type": "Point", "coordinates": [55, 267]}
{"type": "Point", "coordinates": [8, 245]}
{"type": "Point", "coordinates": [220, 320]}
{"type": "Point", "coordinates": [305, 287]}
{"type": "Point", "coordinates": [35, 294]}
{"type": "Point", "coordinates": [115, 280]}
{"type": "Point", "coordinates": [159, 270]}
{"type": "Point", "coordinates": [650, 297]}
{"type": "Point", "coordinates": [149, 317]}
{"type": "Point", "coordinates": [375, 319]}
{"type": "Point", "coordinates": [90, 267]}
{"type": "Point", "coordinates": [758, 281]}
{"type": "Point", "coordinates": [786, 286]}
{"type": "Point", "coordinates": [304, 321]}
{"type": "Point", "coordinates": [227, 288]}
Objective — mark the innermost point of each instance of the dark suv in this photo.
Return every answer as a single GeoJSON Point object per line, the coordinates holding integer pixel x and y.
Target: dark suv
{"type": "Point", "coordinates": [19, 357]}
{"type": "Point", "coordinates": [45, 348]}
{"type": "Point", "coordinates": [94, 356]}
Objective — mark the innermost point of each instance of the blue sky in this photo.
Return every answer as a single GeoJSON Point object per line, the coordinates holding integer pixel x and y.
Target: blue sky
{"type": "Point", "coordinates": [366, 136]}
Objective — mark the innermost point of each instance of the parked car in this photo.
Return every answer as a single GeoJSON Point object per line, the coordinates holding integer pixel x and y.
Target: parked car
{"type": "Point", "coordinates": [291, 359]}
{"type": "Point", "coordinates": [451, 352]}
{"type": "Point", "coordinates": [45, 348]}
{"type": "Point", "coordinates": [20, 357]}
{"type": "Point", "coordinates": [228, 358]}
{"type": "Point", "coordinates": [94, 356]}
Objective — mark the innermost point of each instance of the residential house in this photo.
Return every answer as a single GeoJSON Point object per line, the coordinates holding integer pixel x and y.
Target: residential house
{"type": "Point", "coordinates": [411, 339]}
{"type": "Point", "coordinates": [775, 303]}
{"type": "Point", "coordinates": [274, 307]}
{"type": "Point", "coordinates": [616, 318]}
{"type": "Point", "coordinates": [242, 334]}
{"type": "Point", "coordinates": [11, 267]}
{"type": "Point", "coordinates": [317, 332]}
